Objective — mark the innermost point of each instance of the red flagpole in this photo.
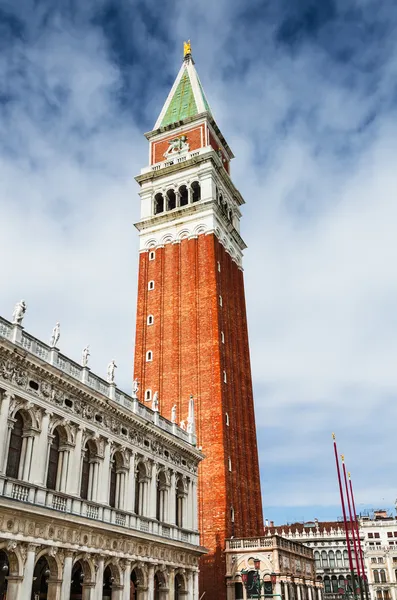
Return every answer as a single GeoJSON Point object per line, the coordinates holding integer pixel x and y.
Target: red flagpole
{"type": "Point", "coordinates": [353, 529]}
{"type": "Point", "coordinates": [357, 528]}
{"type": "Point", "coordinates": [344, 515]}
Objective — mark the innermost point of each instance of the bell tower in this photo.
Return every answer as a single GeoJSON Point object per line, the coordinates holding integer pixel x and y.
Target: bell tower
{"type": "Point", "coordinates": [191, 328]}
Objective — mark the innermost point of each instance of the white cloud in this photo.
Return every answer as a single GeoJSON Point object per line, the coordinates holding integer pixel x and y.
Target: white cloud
{"type": "Point", "coordinates": [319, 221]}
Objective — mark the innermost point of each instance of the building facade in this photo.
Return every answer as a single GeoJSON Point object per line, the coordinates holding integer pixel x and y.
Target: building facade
{"type": "Point", "coordinates": [98, 493]}
{"type": "Point", "coordinates": [380, 554]}
{"type": "Point", "coordinates": [287, 568]}
{"type": "Point", "coordinates": [191, 327]}
{"type": "Point", "coordinates": [327, 540]}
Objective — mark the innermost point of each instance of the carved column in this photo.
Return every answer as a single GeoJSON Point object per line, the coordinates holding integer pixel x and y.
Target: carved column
{"type": "Point", "coordinates": [130, 500]}
{"type": "Point", "coordinates": [67, 575]}
{"type": "Point", "coordinates": [40, 453]}
{"type": "Point", "coordinates": [75, 462]}
{"type": "Point", "coordinates": [14, 586]}
{"type": "Point", "coordinates": [286, 591]}
{"type": "Point", "coordinates": [190, 585]}
{"type": "Point", "coordinates": [172, 500]}
{"type": "Point", "coordinates": [104, 470]}
{"type": "Point", "coordinates": [4, 437]}
{"type": "Point", "coordinates": [27, 459]}
{"type": "Point", "coordinates": [195, 585]}
{"type": "Point", "coordinates": [126, 567]}
{"type": "Point", "coordinates": [150, 593]}
{"type": "Point", "coordinates": [152, 493]}
{"type": "Point", "coordinates": [99, 577]}
{"type": "Point", "coordinates": [171, 583]}
{"type": "Point", "coordinates": [26, 588]}
{"type": "Point", "coordinates": [54, 589]}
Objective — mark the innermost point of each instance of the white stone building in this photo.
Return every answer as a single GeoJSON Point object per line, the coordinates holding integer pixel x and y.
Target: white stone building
{"type": "Point", "coordinates": [380, 554]}
{"type": "Point", "coordinates": [286, 568]}
{"type": "Point", "coordinates": [98, 493]}
{"type": "Point", "coordinates": [327, 539]}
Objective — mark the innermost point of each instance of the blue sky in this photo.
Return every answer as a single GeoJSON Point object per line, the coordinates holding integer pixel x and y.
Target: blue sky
{"type": "Point", "coordinates": [305, 93]}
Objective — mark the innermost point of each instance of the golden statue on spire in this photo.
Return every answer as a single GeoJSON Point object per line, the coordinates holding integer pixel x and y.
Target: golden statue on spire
{"type": "Point", "coordinates": [187, 48]}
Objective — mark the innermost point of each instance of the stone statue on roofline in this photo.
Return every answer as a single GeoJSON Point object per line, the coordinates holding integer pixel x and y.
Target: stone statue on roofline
{"type": "Point", "coordinates": [182, 425]}
{"type": "Point", "coordinates": [19, 312]}
{"type": "Point", "coordinates": [135, 388]}
{"type": "Point", "coordinates": [173, 414]}
{"type": "Point", "coordinates": [85, 356]}
{"type": "Point", "coordinates": [155, 402]}
{"type": "Point", "coordinates": [111, 371]}
{"type": "Point", "coordinates": [56, 334]}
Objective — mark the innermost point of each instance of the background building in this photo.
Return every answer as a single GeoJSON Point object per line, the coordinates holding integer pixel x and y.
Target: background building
{"type": "Point", "coordinates": [98, 493]}
{"type": "Point", "coordinates": [379, 530]}
{"type": "Point", "coordinates": [289, 564]}
{"type": "Point", "coordinates": [327, 539]}
{"type": "Point", "coordinates": [191, 327]}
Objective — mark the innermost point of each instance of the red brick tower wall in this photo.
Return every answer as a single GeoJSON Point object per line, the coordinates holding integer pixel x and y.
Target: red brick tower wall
{"type": "Point", "coordinates": [189, 357]}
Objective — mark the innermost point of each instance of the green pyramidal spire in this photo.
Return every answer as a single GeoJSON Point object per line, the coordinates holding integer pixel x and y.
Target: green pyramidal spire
{"type": "Point", "coordinates": [187, 97]}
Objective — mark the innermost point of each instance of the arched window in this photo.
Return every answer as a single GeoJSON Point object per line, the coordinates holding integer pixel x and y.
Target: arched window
{"type": "Point", "coordinates": [324, 559]}
{"type": "Point", "coordinates": [158, 204]}
{"type": "Point", "coordinates": [227, 419]}
{"type": "Point", "coordinates": [342, 582]}
{"type": "Point", "coordinates": [382, 574]}
{"type": "Point", "coordinates": [183, 196]}
{"type": "Point", "coordinates": [107, 584]}
{"type": "Point", "coordinates": [4, 572]}
{"type": "Point", "coordinates": [150, 320]}
{"type": "Point", "coordinates": [376, 576]}
{"type": "Point", "coordinates": [339, 562]}
{"type": "Point", "coordinates": [150, 285]}
{"type": "Point", "coordinates": [331, 557]}
{"type": "Point", "coordinates": [53, 463]}
{"type": "Point", "coordinates": [15, 448]}
{"type": "Point", "coordinates": [238, 591]}
{"type": "Point", "coordinates": [171, 200]}
{"type": "Point", "coordinates": [134, 585]}
{"type": "Point", "coordinates": [179, 504]}
{"type": "Point", "coordinates": [152, 255]}
{"type": "Point", "coordinates": [345, 558]}
{"type": "Point", "coordinates": [196, 191]}
{"type": "Point", "coordinates": [89, 472]}
{"type": "Point", "coordinates": [41, 575]}
{"type": "Point", "coordinates": [222, 337]}
{"type": "Point", "coordinates": [179, 587]}
{"type": "Point", "coordinates": [334, 582]}
{"type": "Point", "coordinates": [141, 487]}
{"type": "Point", "coordinates": [317, 559]}
{"type": "Point", "coordinates": [148, 395]}
{"type": "Point", "coordinates": [149, 356]}
{"type": "Point", "coordinates": [112, 487]}
{"type": "Point", "coordinates": [76, 587]}
{"type": "Point", "coordinates": [162, 498]}
{"type": "Point", "coordinates": [327, 585]}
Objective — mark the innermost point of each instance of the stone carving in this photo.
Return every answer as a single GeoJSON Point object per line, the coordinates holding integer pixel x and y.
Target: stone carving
{"type": "Point", "coordinates": [155, 402]}
{"type": "Point", "coordinates": [177, 145]}
{"type": "Point", "coordinates": [19, 312]}
{"type": "Point", "coordinates": [182, 425]}
{"type": "Point", "coordinates": [111, 371]}
{"type": "Point", "coordinates": [56, 334]}
{"type": "Point", "coordinates": [135, 388]}
{"type": "Point", "coordinates": [85, 356]}
{"type": "Point", "coordinates": [173, 414]}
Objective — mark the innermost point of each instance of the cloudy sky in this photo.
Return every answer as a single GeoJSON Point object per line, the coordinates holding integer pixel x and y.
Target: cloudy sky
{"type": "Point", "coordinates": [305, 93]}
